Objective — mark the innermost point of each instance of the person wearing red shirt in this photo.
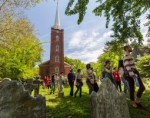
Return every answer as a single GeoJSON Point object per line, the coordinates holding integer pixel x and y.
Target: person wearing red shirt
{"type": "Point", "coordinates": [44, 81]}
{"type": "Point", "coordinates": [48, 82]}
{"type": "Point", "coordinates": [117, 78]}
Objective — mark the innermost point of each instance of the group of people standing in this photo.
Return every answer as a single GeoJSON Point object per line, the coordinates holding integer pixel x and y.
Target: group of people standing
{"type": "Point", "coordinates": [128, 73]}
{"type": "Point", "coordinates": [55, 80]}
{"type": "Point", "coordinates": [77, 80]}
{"type": "Point", "coordinates": [112, 74]}
{"type": "Point", "coordinates": [125, 72]}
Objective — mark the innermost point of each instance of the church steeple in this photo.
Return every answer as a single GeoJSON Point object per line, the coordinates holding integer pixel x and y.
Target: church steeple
{"type": "Point", "coordinates": [57, 20]}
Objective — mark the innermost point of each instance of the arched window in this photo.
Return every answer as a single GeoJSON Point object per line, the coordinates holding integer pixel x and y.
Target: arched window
{"type": "Point", "coordinates": [57, 48]}
{"type": "Point", "coordinates": [57, 59]}
{"type": "Point", "coordinates": [56, 69]}
{"type": "Point", "coordinates": [57, 38]}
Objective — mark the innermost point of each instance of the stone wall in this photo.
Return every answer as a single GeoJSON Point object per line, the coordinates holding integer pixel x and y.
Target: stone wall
{"type": "Point", "coordinates": [16, 102]}
{"type": "Point", "coordinates": [108, 102]}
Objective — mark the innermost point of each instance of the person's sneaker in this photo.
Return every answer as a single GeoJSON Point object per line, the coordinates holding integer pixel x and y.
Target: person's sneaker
{"type": "Point", "coordinates": [134, 105]}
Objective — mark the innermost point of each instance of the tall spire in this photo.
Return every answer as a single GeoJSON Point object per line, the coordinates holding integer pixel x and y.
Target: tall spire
{"type": "Point", "coordinates": [57, 20]}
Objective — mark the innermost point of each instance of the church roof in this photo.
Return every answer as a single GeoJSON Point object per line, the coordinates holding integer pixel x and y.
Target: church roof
{"type": "Point", "coordinates": [67, 64]}
{"type": "Point", "coordinates": [44, 63]}
{"type": "Point", "coordinates": [57, 20]}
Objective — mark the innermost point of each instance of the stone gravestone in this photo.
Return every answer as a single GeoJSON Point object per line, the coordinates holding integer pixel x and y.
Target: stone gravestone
{"type": "Point", "coordinates": [16, 102]}
{"type": "Point", "coordinates": [36, 86]}
{"type": "Point", "coordinates": [108, 102]}
{"type": "Point", "coordinates": [60, 89]}
{"type": "Point", "coordinates": [32, 85]}
{"type": "Point", "coordinates": [29, 85]}
{"type": "Point", "coordinates": [61, 94]}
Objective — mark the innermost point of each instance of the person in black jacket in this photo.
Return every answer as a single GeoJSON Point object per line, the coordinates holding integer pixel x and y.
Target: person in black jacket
{"type": "Point", "coordinates": [71, 79]}
{"type": "Point", "coordinates": [52, 84]}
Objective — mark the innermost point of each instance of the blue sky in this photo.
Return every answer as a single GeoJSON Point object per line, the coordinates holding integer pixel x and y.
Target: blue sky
{"type": "Point", "coordinates": [85, 41]}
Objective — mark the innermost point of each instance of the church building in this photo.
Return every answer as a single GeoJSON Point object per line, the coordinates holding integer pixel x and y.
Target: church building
{"type": "Point", "coordinates": [56, 63]}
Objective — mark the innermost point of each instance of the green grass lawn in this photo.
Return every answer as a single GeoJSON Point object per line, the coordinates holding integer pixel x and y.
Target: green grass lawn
{"type": "Point", "coordinates": [67, 107]}
{"type": "Point", "coordinates": [70, 107]}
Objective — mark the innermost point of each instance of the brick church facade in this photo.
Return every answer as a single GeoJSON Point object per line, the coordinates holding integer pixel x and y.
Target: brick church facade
{"type": "Point", "coordinates": [56, 63]}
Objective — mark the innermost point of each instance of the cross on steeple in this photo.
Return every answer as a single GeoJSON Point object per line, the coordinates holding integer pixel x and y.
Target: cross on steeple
{"type": "Point", "coordinates": [57, 20]}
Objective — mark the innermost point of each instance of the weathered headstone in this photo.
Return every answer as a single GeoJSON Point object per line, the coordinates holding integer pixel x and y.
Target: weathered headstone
{"type": "Point", "coordinates": [61, 94]}
{"type": "Point", "coordinates": [16, 102]}
{"type": "Point", "coordinates": [108, 102]}
{"type": "Point", "coordinates": [60, 89]}
{"type": "Point", "coordinates": [29, 85]}
{"type": "Point", "coordinates": [36, 86]}
{"type": "Point", "coordinates": [33, 85]}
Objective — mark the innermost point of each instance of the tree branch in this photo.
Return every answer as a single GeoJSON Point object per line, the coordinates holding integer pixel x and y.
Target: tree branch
{"type": "Point", "coordinates": [3, 4]}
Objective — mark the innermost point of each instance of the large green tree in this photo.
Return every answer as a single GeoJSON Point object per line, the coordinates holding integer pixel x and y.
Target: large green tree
{"type": "Point", "coordinates": [20, 49]}
{"type": "Point", "coordinates": [124, 14]}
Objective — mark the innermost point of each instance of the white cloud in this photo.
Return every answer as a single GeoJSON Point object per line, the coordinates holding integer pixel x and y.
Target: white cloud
{"type": "Point", "coordinates": [76, 39]}
{"type": "Point", "coordinates": [144, 29]}
{"type": "Point", "coordinates": [86, 56]}
{"type": "Point", "coordinates": [87, 45]}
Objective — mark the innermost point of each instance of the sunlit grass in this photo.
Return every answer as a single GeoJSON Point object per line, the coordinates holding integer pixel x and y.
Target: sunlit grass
{"type": "Point", "coordinates": [67, 107]}
{"type": "Point", "coordinates": [70, 107]}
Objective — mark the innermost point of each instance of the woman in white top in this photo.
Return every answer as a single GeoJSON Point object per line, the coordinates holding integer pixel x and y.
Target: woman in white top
{"type": "Point", "coordinates": [57, 81]}
{"type": "Point", "coordinates": [79, 83]}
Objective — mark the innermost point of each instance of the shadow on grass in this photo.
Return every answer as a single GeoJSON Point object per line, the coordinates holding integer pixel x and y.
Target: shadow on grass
{"type": "Point", "coordinates": [141, 112]}
{"type": "Point", "coordinates": [68, 107]}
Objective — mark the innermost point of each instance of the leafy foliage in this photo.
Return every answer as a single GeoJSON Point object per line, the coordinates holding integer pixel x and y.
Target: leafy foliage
{"type": "Point", "coordinates": [13, 8]}
{"type": "Point", "coordinates": [114, 46]}
{"type": "Point", "coordinates": [20, 49]}
{"type": "Point", "coordinates": [146, 48]}
{"type": "Point", "coordinates": [97, 67]}
{"type": "Point", "coordinates": [113, 51]}
{"type": "Point", "coordinates": [144, 65]}
{"type": "Point", "coordinates": [7, 5]}
{"type": "Point", "coordinates": [79, 8]}
{"type": "Point", "coordinates": [112, 56]}
{"type": "Point", "coordinates": [76, 64]}
{"type": "Point", "coordinates": [124, 13]}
